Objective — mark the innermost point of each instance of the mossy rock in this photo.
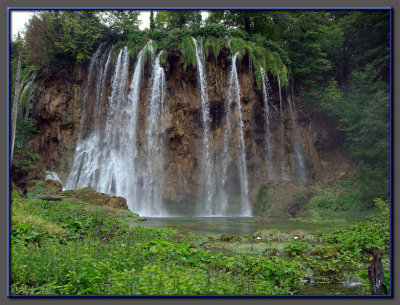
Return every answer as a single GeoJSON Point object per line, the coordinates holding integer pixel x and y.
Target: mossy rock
{"type": "Point", "coordinates": [45, 188]}
{"type": "Point", "coordinates": [69, 193]}
{"type": "Point", "coordinates": [90, 196]}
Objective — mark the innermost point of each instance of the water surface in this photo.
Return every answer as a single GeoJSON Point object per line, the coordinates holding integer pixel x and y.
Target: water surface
{"type": "Point", "coordinates": [235, 226]}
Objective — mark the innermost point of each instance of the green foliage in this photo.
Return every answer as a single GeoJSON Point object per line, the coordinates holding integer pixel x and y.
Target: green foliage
{"type": "Point", "coordinates": [212, 45]}
{"type": "Point", "coordinates": [81, 30]}
{"type": "Point", "coordinates": [363, 114]}
{"type": "Point", "coordinates": [274, 47]}
{"type": "Point", "coordinates": [213, 29]}
{"type": "Point", "coordinates": [60, 248]}
{"type": "Point", "coordinates": [177, 19]}
{"type": "Point", "coordinates": [188, 52]}
{"type": "Point", "coordinates": [59, 37]}
{"type": "Point", "coordinates": [25, 131]}
{"type": "Point", "coordinates": [26, 159]}
{"type": "Point", "coordinates": [30, 227]}
{"type": "Point", "coordinates": [152, 22]}
{"type": "Point", "coordinates": [239, 45]}
{"type": "Point", "coordinates": [121, 23]}
{"type": "Point", "coordinates": [45, 188]}
{"type": "Point", "coordinates": [295, 248]}
{"type": "Point", "coordinates": [97, 255]}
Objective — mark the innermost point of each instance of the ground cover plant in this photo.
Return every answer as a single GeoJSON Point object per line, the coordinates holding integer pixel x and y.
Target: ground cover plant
{"type": "Point", "coordinates": [70, 248]}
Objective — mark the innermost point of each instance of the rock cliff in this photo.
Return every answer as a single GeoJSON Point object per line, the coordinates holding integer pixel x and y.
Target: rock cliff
{"type": "Point", "coordinates": [58, 107]}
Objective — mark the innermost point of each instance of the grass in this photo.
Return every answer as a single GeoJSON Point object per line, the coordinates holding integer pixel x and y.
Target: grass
{"type": "Point", "coordinates": [74, 248]}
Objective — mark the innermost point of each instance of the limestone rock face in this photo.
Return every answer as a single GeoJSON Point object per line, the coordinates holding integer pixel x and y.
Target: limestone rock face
{"type": "Point", "coordinates": [57, 107]}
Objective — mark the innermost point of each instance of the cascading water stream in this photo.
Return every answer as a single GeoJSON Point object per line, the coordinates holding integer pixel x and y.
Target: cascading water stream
{"type": "Point", "coordinates": [27, 88]}
{"type": "Point", "coordinates": [153, 178]}
{"type": "Point", "coordinates": [301, 169]}
{"type": "Point", "coordinates": [84, 166]}
{"type": "Point", "coordinates": [108, 159]}
{"type": "Point", "coordinates": [207, 168]}
{"type": "Point", "coordinates": [281, 127]}
{"type": "Point", "coordinates": [267, 132]}
{"type": "Point", "coordinates": [52, 176]}
{"type": "Point", "coordinates": [234, 97]}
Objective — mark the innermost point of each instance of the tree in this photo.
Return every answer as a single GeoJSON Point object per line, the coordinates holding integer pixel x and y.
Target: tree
{"type": "Point", "coordinates": [57, 37]}
{"type": "Point", "coordinates": [122, 22]}
{"type": "Point", "coordinates": [80, 31]}
{"type": "Point", "coordinates": [363, 112]}
{"type": "Point", "coordinates": [178, 19]}
{"type": "Point", "coordinates": [152, 23]}
{"type": "Point", "coordinates": [15, 103]}
{"type": "Point", "coordinates": [312, 42]}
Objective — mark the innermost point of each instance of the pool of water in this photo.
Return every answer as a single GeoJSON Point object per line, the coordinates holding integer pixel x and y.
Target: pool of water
{"type": "Point", "coordinates": [350, 288]}
{"type": "Point", "coordinates": [235, 226]}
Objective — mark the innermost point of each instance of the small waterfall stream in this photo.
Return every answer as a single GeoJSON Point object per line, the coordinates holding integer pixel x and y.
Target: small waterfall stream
{"type": "Point", "coordinates": [233, 97]}
{"type": "Point", "coordinates": [299, 158]}
{"type": "Point", "coordinates": [207, 176]}
{"type": "Point", "coordinates": [282, 151]}
{"type": "Point", "coordinates": [152, 169]}
{"type": "Point", "coordinates": [267, 132]}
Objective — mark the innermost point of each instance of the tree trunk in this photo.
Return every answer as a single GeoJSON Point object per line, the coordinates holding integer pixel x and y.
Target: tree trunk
{"type": "Point", "coordinates": [15, 103]}
{"type": "Point", "coordinates": [376, 275]}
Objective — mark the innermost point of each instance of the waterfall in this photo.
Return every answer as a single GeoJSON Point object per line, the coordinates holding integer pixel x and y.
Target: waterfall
{"type": "Point", "coordinates": [267, 148]}
{"type": "Point", "coordinates": [234, 98]}
{"type": "Point", "coordinates": [27, 88]}
{"type": "Point", "coordinates": [153, 180]}
{"type": "Point", "coordinates": [282, 151]}
{"type": "Point", "coordinates": [207, 166]}
{"type": "Point", "coordinates": [301, 169]}
{"type": "Point", "coordinates": [52, 176]}
{"type": "Point", "coordinates": [107, 160]}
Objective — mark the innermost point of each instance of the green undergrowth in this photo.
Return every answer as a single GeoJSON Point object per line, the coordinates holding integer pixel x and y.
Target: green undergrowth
{"type": "Point", "coordinates": [328, 255]}
{"type": "Point", "coordinates": [69, 248]}
{"type": "Point", "coordinates": [340, 201]}
{"type": "Point", "coordinates": [63, 248]}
